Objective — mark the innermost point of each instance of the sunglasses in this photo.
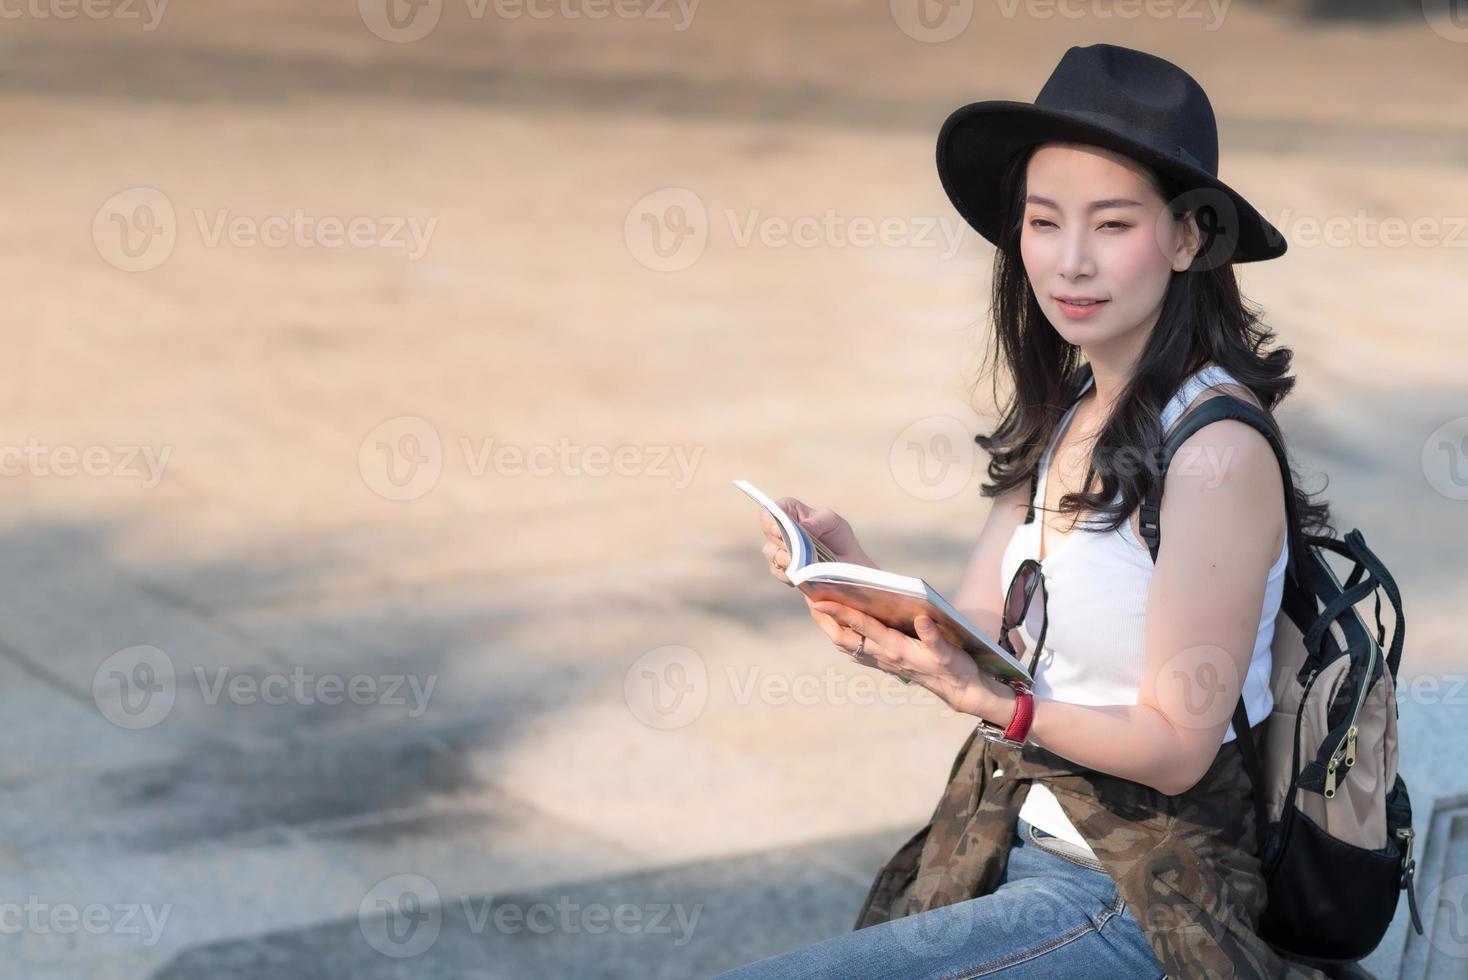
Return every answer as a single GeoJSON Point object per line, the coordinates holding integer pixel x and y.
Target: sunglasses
{"type": "Point", "coordinates": [1027, 585]}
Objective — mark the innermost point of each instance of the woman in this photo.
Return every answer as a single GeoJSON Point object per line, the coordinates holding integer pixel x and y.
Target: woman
{"type": "Point", "coordinates": [1117, 311]}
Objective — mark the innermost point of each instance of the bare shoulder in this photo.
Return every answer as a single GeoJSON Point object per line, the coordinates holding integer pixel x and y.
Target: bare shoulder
{"type": "Point", "coordinates": [1225, 478]}
{"type": "Point", "coordinates": [1008, 511]}
{"type": "Point", "coordinates": [1233, 448]}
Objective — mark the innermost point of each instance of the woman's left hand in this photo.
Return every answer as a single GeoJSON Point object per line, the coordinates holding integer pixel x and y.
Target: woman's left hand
{"type": "Point", "coordinates": [932, 661]}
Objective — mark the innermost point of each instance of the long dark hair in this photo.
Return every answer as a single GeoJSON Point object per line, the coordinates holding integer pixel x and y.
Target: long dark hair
{"type": "Point", "coordinates": [1204, 319]}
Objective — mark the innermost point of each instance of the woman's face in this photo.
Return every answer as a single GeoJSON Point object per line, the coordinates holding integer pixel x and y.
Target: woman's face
{"type": "Point", "coordinates": [1121, 253]}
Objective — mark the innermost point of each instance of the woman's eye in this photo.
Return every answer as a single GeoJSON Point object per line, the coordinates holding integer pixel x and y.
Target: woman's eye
{"type": "Point", "coordinates": [1042, 222]}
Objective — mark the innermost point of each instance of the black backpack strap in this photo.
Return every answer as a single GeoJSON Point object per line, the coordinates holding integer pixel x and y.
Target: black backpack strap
{"type": "Point", "coordinates": [1215, 410]}
{"type": "Point", "coordinates": [1353, 546]}
{"type": "Point", "coordinates": [1073, 393]}
{"type": "Point", "coordinates": [1244, 735]}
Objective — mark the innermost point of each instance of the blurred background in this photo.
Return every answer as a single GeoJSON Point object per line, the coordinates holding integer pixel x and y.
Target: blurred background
{"type": "Point", "coordinates": [375, 599]}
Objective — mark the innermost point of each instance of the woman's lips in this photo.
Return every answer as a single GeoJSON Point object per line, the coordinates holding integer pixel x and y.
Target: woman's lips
{"type": "Point", "coordinates": [1074, 312]}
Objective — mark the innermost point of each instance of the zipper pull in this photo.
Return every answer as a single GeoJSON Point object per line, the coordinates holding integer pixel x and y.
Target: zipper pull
{"type": "Point", "coordinates": [1330, 779]}
{"type": "Point", "coordinates": [1351, 746]}
{"type": "Point", "coordinates": [1409, 868]}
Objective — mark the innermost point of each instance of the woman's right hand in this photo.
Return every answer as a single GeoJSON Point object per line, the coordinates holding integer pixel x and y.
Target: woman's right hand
{"type": "Point", "coordinates": [819, 522]}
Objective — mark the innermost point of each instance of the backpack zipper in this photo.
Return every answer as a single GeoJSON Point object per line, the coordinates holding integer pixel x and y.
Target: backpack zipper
{"type": "Point", "coordinates": [1346, 747]}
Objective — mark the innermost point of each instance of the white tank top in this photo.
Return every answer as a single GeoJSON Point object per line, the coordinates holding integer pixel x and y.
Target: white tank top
{"type": "Point", "coordinates": [1096, 585]}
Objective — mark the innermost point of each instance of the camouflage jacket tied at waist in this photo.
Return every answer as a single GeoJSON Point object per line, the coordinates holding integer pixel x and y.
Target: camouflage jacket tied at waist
{"type": "Point", "coordinates": [1186, 865]}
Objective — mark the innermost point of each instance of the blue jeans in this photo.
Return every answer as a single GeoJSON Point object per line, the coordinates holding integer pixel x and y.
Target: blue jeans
{"type": "Point", "coordinates": [1051, 916]}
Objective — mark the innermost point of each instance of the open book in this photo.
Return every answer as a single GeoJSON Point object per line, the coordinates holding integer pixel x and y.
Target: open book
{"type": "Point", "coordinates": [895, 600]}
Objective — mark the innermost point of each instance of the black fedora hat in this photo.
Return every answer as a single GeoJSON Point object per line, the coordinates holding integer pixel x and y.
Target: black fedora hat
{"type": "Point", "coordinates": [1121, 99]}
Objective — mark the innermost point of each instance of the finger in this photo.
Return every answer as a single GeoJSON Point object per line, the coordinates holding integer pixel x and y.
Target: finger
{"type": "Point", "coordinates": [795, 508]}
{"type": "Point", "coordinates": [856, 620]}
{"type": "Point", "coordinates": [848, 641]}
{"type": "Point", "coordinates": [834, 630]}
{"type": "Point", "coordinates": [819, 522]}
{"type": "Point", "coordinates": [927, 631]}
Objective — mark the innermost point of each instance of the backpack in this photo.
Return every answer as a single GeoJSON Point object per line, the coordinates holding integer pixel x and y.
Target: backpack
{"type": "Point", "coordinates": [1332, 816]}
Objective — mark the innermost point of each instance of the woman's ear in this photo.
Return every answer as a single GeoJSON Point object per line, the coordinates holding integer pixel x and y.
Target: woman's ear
{"type": "Point", "coordinates": [1189, 240]}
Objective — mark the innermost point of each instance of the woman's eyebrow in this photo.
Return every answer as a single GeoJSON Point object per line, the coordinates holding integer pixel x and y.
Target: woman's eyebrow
{"type": "Point", "coordinates": [1110, 202]}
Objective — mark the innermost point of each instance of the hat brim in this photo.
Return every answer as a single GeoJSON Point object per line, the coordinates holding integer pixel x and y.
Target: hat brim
{"type": "Point", "coordinates": [978, 140]}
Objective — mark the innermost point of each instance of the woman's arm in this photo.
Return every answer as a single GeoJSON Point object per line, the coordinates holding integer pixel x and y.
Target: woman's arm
{"type": "Point", "coordinates": [1222, 518]}
{"type": "Point", "coordinates": [980, 594]}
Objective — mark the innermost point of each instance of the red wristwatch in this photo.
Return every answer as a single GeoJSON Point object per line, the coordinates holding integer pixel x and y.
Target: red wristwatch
{"type": "Point", "coordinates": [1024, 713]}
{"type": "Point", "coordinates": [1019, 725]}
